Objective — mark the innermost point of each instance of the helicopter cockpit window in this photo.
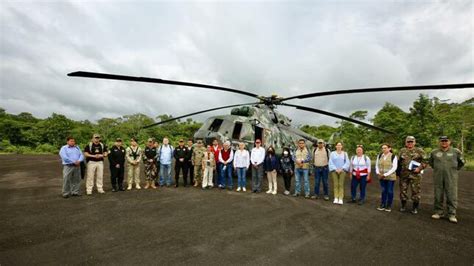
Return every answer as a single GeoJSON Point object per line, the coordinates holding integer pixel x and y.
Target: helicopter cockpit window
{"type": "Point", "coordinates": [216, 124]}
{"type": "Point", "coordinates": [237, 130]}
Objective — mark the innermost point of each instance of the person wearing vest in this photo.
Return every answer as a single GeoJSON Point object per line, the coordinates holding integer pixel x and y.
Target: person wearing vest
{"type": "Point", "coordinates": [338, 168]}
{"type": "Point", "coordinates": [165, 156]}
{"type": "Point", "coordinates": [226, 156]}
{"type": "Point", "coordinates": [241, 165]}
{"type": "Point", "coordinates": [302, 158]}
{"type": "Point", "coordinates": [208, 166]}
{"type": "Point", "coordinates": [71, 156]}
{"type": "Point", "coordinates": [149, 160]}
{"type": "Point", "coordinates": [189, 163]}
{"type": "Point", "coordinates": [95, 153]}
{"type": "Point", "coordinates": [117, 165]}
{"type": "Point", "coordinates": [216, 148]}
{"type": "Point", "coordinates": [360, 174]}
{"type": "Point", "coordinates": [257, 156]}
{"type": "Point", "coordinates": [196, 158]}
{"type": "Point", "coordinates": [446, 162]}
{"type": "Point", "coordinates": [271, 167]}
{"type": "Point", "coordinates": [287, 168]}
{"type": "Point", "coordinates": [321, 169]}
{"type": "Point", "coordinates": [180, 165]}
{"type": "Point", "coordinates": [385, 168]}
{"type": "Point", "coordinates": [133, 154]}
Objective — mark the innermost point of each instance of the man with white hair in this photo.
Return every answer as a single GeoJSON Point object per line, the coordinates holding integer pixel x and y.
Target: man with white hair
{"type": "Point", "coordinates": [226, 156]}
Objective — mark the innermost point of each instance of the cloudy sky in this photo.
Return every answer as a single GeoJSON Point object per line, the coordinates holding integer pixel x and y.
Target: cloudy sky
{"type": "Point", "coordinates": [264, 47]}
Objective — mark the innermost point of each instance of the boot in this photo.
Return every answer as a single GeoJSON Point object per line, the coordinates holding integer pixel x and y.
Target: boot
{"type": "Point", "coordinates": [415, 207]}
{"type": "Point", "coordinates": [153, 185]}
{"type": "Point", "coordinates": [196, 183]}
{"type": "Point", "coordinates": [137, 186]}
{"type": "Point", "coordinates": [129, 186]}
{"type": "Point", "coordinates": [403, 208]}
{"type": "Point", "coordinates": [147, 185]}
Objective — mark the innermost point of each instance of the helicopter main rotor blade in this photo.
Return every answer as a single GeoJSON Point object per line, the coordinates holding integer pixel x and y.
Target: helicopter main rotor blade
{"type": "Point", "coordinates": [382, 89]}
{"type": "Point", "coordinates": [195, 113]}
{"type": "Point", "coordinates": [96, 75]}
{"type": "Point", "coordinates": [309, 109]}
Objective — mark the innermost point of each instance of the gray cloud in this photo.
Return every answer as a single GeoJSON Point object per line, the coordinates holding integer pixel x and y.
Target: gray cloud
{"type": "Point", "coordinates": [267, 47]}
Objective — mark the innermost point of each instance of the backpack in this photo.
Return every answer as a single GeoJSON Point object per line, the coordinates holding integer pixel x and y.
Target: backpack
{"type": "Point", "coordinates": [352, 159]}
{"type": "Point", "coordinates": [90, 149]}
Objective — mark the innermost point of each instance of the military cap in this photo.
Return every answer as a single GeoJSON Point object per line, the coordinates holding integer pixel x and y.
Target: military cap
{"type": "Point", "coordinates": [444, 138]}
{"type": "Point", "coordinates": [199, 142]}
{"type": "Point", "coordinates": [410, 138]}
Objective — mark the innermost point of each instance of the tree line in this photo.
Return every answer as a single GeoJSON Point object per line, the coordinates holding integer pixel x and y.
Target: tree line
{"type": "Point", "coordinates": [427, 119]}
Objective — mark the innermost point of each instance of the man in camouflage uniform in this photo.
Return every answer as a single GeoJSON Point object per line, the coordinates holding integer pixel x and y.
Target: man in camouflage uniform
{"type": "Point", "coordinates": [446, 162]}
{"type": "Point", "coordinates": [410, 174]}
{"type": "Point", "coordinates": [149, 160]}
{"type": "Point", "coordinates": [196, 159]}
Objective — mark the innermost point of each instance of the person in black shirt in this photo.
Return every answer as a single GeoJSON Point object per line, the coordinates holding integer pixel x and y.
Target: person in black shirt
{"type": "Point", "coordinates": [117, 165]}
{"type": "Point", "coordinates": [149, 159]}
{"type": "Point", "coordinates": [181, 154]}
{"type": "Point", "coordinates": [95, 153]}
{"type": "Point", "coordinates": [189, 163]}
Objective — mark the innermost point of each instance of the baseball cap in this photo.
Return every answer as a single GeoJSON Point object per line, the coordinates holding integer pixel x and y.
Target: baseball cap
{"type": "Point", "coordinates": [443, 138]}
{"type": "Point", "coordinates": [151, 139]}
{"type": "Point", "coordinates": [320, 140]}
{"type": "Point", "coordinates": [96, 136]}
{"type": "Point", "coordinates": [118, 139]}
{"type": "Point", "coordinates": [410, 138]}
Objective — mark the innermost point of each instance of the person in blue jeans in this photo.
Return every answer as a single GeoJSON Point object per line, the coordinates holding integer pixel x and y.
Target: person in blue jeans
{"type": "Point", "coordinates": [385, 168]}
{"type": "Point", "coordinates": [241, 165]}
{"type": "Point", "coordinates": [321, 169]}
{"type": "Point", "coordinates": [165, 156]}
{"type": "Point", "coordinates": [302, 158]}
{"type": "Point", "coordinates": [360, 169]}
{"type": "Point", "coordinates": [226, 156]}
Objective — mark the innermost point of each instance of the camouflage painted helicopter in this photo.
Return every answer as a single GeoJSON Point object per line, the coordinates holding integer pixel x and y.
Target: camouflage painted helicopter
{"type": "Point", "coordinates": [259, 120]}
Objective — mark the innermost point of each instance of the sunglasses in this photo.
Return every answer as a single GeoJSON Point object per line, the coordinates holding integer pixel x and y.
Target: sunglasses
{"type": "Point", "coordinates": [410, 141]}
{"type": "Point", "coordinates": [360, 146]}
{"type": "Point", "coordinates": [444, 140]}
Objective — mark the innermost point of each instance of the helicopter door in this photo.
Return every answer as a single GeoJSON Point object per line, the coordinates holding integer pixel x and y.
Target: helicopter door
{"type": "Point", "coordinates": [259, 133]}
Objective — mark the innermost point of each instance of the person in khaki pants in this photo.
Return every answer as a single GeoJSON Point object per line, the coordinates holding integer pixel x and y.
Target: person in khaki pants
{"type": "Point", "coordinates": [133, 155]}
{"type": "Point", "coordinates": [95, 153]}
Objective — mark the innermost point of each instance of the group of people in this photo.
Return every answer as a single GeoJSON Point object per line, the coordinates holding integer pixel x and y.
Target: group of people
{"type": "Point", "coordinates": [214, 165]}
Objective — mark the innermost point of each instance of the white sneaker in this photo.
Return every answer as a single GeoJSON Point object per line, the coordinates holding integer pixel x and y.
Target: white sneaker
{"type": "Point", "coordinates": [244, 189]}
{"type": "Point", "coordinates": [274, 192]}
{"type": "Point", "coordinates": [238, 189]}
{"type": "Point", "coordinates": [129, 187]}
{"type": "Point", "coordinates": [436, 216]}
{"type": "Point", "coordinates": [89, 192]}
{"type": "Point", "coordinates": [336, 201]}
{"type": "Point", "coordinates": [101, 191]}
{"type": "Point", "coordinates": [340, 202]}
{"type": "Point", "coordinates": [269, 191]}
{"type": "Point", "coordinates": [286, 192]}
{"type": "Point", "coordinates": [137, 186]}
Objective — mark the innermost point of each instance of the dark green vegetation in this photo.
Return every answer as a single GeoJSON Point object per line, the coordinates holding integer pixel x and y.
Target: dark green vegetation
{"type": "Point", "coordinates": [427, 119]}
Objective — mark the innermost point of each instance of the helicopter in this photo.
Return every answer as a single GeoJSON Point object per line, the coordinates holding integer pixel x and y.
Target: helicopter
{"type": "Point", "coordinates": [260, 120]}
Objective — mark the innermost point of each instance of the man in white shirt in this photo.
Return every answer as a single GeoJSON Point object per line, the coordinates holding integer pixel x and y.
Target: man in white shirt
{"type": "Point", "coordinates": [257, 157]}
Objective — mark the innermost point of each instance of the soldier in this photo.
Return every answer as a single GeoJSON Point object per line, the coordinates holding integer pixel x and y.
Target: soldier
{"type": "Point", "coordinates": [411, 161]}
{"type": "Point", "coordinates": [446, 162]}
{"type": "Point", "coordinates": [117, 165]}
{"type": "Point", "coordinates": [149, 157]}
{"type": "Point", "coordinates": [189, 162]}
{"type": "Point", "coordinates": [134, 156]}
{"type": "Point", "coordinates": [71, 157]}
{"type": "Point", "coordinates": [95, 153]}
{"type": "Point", "coordinates": [180, 156]}
{"type": "Point", "coordinates": [198, 153]}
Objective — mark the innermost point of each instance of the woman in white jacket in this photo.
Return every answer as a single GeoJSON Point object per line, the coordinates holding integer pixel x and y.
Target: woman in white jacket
{"type": "Point", "coordinates": [241, 164]}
